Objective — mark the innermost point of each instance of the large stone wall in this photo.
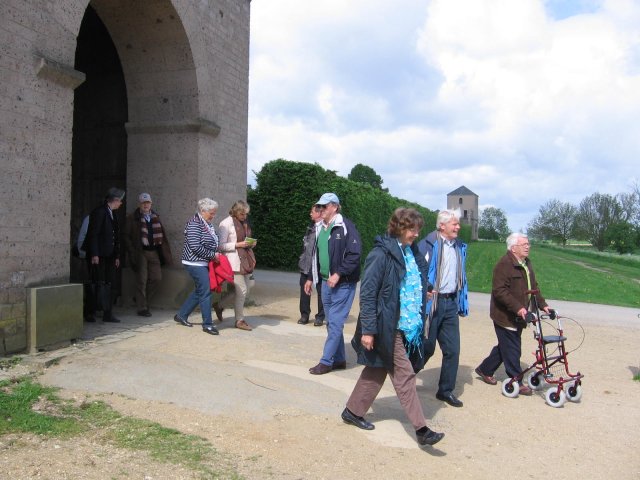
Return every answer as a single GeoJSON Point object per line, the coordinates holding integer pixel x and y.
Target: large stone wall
{"type": "Point", "coordinates": [185, 64]}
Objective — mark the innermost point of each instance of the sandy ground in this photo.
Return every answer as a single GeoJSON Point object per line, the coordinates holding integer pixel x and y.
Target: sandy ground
{"type": "Point", "coordinates": [250, 394]}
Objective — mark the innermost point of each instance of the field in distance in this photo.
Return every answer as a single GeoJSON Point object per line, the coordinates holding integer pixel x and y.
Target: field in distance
{"type": "Point", "coordinates": [571, 274]}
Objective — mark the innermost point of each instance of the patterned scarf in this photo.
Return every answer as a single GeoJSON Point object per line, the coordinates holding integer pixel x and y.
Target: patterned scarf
{"type": "Point", "coordinates": [247, 257]}
{"type": "Point", "coordinates": [410, 322]}
{"type": "Point", "coordinates": [156, 227]}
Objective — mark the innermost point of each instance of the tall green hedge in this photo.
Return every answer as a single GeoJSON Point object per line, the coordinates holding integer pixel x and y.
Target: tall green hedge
{"type": "Point", "coordinates": [284, 194]}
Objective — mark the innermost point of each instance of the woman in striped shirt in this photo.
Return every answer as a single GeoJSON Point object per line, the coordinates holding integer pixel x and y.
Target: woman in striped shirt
{"type": "Point", "coordinates": [200, 246]}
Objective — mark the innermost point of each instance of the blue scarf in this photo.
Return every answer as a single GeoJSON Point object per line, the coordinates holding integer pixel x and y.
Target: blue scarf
{"type": "Point", "coordinates": [410, 322]}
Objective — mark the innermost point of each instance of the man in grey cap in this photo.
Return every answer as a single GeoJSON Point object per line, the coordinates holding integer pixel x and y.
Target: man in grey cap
{"type": "Point", "coordinates": [147, 250]}
{"type": "Point", "coordinates": [102, 245]}
{"type": "Point", "coordinates": [336, 264]}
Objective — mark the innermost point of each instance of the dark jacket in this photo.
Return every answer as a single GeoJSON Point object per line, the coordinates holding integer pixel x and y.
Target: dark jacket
{"type": "Point", "coordinates": [103, 234]}
{"type": "Point", "coordinates": [133, 242]}
{"type": "Point", "coordinates": [384, 270]}
{"type": "Point", "coordinates": [508, 293]}
{"type": "Point", "coordinates": [345, 250]}
{"type": "Point", "coordinates": [308, 249]}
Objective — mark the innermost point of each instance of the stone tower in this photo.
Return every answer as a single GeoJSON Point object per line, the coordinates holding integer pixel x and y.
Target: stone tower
{"type": "Point", "coordinates": [466, 201]}
{"type": "Point", "coordinates": [143, 95]}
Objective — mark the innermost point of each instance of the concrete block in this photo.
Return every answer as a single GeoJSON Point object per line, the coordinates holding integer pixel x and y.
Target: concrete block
{"type": "Point", "coordinates": [54, 315]}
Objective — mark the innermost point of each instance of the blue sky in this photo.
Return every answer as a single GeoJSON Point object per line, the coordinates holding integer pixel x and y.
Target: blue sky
{"type": "Point", "coordinates": [521, 101]}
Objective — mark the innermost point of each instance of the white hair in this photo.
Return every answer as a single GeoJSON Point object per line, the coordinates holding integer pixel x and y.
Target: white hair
{"type": "Point", "coordinates": [206, 205]}
{"type": "Point", "coordinates": [445, 216]}
{"type": "Point", "coordinates": [512, 239]}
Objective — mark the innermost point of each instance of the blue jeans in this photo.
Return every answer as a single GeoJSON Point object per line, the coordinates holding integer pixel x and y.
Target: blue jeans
{"type": "Point", "coordinates": [200, 296]}
{"type": "Point", "coordinates": [337, 304]}
{"type": "Point", "coordinates": [445, 329]}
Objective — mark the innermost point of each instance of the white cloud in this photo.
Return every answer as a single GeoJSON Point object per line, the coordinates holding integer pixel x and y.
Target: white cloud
{"type": "Point", "coordinates": [519, 101]}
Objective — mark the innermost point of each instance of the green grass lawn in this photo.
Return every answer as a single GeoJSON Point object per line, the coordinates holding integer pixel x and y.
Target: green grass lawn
{"type": "Point", "coordinates": [564, 274]}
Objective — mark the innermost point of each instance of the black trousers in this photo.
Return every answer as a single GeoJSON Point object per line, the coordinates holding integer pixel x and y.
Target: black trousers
{"type": "Point", "coordinates": [507, 351]}
{"type": "Point", "coordinates": [305, 300]}
{"type": "Point", "coordinates": [98, 291]}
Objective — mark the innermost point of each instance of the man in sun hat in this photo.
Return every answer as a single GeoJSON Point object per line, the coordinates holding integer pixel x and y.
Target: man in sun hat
{"type": "Point", "coordinates": [147, 250]}
{"type": "Point", "coordinates": [336, 264]}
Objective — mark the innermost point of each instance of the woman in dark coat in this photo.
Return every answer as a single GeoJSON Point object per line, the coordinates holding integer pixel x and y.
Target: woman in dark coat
{"type": "Point", "coordinates": [390, 329]}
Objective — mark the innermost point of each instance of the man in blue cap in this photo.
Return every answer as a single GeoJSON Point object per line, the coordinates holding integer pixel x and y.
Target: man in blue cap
{"type": "Point", "coordinates": [336, 264]}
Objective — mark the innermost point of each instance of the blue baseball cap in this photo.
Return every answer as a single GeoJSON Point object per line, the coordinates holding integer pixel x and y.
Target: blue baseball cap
{"type": "Point", "coordinates": [328, 198]}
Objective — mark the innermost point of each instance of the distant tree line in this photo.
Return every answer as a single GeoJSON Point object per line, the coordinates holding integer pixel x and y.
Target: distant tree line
{"type": "Point", "coordinates": [493, 224]}
{"type": "Point", "coordinates": [606, 221]}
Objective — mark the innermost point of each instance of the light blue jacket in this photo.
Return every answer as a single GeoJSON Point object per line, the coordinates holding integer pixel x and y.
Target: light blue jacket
{"type": "Point", "coordinates": [430, 247]}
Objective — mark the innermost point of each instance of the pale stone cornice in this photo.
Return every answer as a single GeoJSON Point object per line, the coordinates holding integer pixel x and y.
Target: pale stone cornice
{"type": "Point", "coordinates": [59, 73]}
{"type": "Point", "coordinates": [197, 125]}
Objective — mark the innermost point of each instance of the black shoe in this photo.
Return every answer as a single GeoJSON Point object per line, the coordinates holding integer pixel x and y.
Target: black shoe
{"type": "Point", "coordinates": [425, 436]}
{"type": "Point", "coordinates": [303, 320]}
{"type": "Point", "coordinates": [210, 329]}
{"type": "Point", "coordinates": [182, 321]}
{"type": "Point", "coordinates": [144, 313]}
{"type": "Point", "coordinates": [111, 319]}
{"type": "Point", "coordinates": [450, 399]}
{"type": "Point", "coordinates": [348, 417]}
{"type": "Point", "coordinates": [339, 366]}
{"type": "Point", "coordinates": [318, 323]}
{"type": "Point", "coordinates": [320, 369]}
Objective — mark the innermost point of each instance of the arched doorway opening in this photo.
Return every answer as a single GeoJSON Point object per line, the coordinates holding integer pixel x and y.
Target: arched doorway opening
{"type": "Point", "coordinates": [99, 146]}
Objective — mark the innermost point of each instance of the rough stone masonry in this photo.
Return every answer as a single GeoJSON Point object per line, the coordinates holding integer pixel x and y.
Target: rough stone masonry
{"type": "Point", "coordinates": [181, 134]}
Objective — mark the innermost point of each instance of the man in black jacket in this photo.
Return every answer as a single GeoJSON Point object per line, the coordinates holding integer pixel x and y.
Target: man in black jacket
{"type": "Point", "coordinates": [305, 264]}
{"type": "Point", "coordinates": [102, 245]}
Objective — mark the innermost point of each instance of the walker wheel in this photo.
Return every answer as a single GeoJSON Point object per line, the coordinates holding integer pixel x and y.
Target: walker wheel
{"type": "Point", "coordinates": [510, 388]}
{"type": "Point", "coordinates": [555, 399]}
{"type": "Point", "coordinates": [574, 392]}
{"type": "Point", "coordinates": [535, 380]}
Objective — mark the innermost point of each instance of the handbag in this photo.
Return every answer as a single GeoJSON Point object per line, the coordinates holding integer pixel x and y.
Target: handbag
{"type": "Point", "coordinates": [247, 260]}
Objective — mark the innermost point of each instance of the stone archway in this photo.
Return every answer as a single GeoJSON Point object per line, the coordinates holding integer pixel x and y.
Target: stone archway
{"type": "Point", "coordinates": [135, 117]}
{"type": "Point", "coordinates": [162, 98]}
{"type": "Point", "coordinates": [185, 66]}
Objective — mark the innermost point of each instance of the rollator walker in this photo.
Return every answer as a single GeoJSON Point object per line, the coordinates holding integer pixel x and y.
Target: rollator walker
{"type": "Point", "coordinates": [551, 368]}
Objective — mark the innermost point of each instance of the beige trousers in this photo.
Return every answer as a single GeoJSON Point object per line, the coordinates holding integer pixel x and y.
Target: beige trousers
{"type": "Point", "coordinates": [403, 379]}
{"type": "Point", "coordinates": [237, 295]}
{"type": "Point", "coordinates": [148, 277]}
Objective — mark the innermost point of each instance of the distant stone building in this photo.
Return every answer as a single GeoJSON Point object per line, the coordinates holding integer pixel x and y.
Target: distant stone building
{"type": "Point", "coordinates": [146, 95]}
{"type": "Point", "coordinates": [466, 201]}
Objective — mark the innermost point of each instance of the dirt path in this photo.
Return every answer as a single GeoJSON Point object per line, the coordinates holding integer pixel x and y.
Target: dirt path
{"type": "Point", "coordinates": [250, 394]}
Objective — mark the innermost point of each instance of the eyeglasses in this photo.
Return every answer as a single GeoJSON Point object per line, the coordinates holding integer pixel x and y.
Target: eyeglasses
{"type": "Point", "coordinates": [523, 245]}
